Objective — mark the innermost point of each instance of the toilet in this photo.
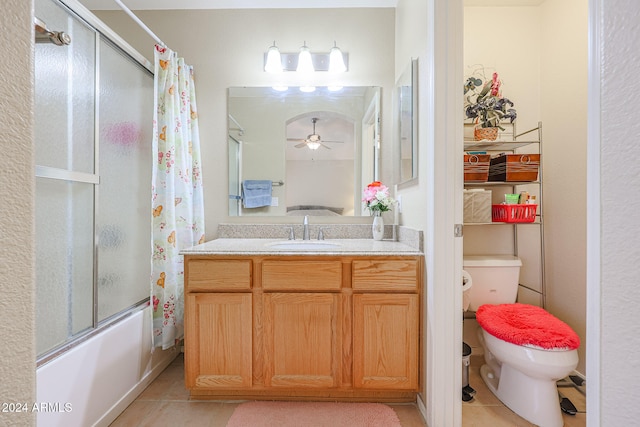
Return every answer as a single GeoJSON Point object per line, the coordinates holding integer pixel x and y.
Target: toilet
{"type": "Point", "coordinates": [526, 349]}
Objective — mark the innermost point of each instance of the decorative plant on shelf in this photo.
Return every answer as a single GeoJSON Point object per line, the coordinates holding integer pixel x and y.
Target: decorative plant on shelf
{"type": "Point", "coordinates": [485, 105]}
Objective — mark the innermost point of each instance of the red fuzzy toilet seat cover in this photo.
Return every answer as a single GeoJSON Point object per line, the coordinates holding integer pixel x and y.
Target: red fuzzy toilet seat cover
{"type": "Point", "coordinates": [525, 324]}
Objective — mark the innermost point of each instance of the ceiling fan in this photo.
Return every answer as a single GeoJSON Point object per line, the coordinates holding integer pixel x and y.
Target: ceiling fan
{"type": "Point", "coordinates": [313, 140]}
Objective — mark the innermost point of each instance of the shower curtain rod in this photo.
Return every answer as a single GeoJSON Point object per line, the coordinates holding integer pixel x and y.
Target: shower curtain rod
{"type": "Point", "coordinates": [128, 11]}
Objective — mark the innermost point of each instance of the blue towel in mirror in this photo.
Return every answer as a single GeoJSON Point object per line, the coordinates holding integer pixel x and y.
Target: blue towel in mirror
{"type": "Point", "coordinates": [256, 193]}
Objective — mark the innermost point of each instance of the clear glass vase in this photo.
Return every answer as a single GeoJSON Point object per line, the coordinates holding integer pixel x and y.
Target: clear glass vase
{"type": "Point", "coordinates": [378, 226]}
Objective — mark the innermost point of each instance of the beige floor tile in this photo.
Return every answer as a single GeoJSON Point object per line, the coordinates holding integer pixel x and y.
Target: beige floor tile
{"type": "Point", "coordinates": [409, 415]}
{"type": "Point", "coordinates": [201, 414]}
{"type": "Point", "coordinates": [166, 402]}
{"type": "Point", "coordinates": [491, 416]}
{"type": "Point", "coordinates": [578, 420]}
{"type": "Point", "coordinates": [136, 413]}
{"type": "Point", "coordinates": [578, 399]}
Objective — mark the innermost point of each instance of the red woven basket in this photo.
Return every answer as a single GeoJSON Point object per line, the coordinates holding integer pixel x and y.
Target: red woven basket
{"type": "Point", "coordinates": [513, 213]}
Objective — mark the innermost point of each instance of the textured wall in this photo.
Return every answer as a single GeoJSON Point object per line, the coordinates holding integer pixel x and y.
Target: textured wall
{"type": "Point", "coordinates": [17, 352]}
{"type": "Point", "coordinates": [563, 85]}
{"type": "Point", "coordinates": [620, 213]}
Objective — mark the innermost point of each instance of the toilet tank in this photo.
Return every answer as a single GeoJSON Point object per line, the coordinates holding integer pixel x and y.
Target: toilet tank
{"type": "Point", "coordinates": [495, 279]}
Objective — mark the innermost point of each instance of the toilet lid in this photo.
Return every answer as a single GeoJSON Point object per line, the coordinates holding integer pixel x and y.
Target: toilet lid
{"type": "Point", "coordinates": [525, 324]}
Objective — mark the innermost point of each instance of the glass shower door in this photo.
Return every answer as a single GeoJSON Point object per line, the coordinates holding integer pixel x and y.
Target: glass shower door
{"type": "Point", "coordinates": [65, 179]}
{"type": "Point", "coordinates": [93, 120]}
{"type": "Point", "coordinates": [124, 209]}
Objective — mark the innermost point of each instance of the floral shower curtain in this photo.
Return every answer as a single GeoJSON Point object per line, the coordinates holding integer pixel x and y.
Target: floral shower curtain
{"type": "Point", "coordinates": [178, 210]}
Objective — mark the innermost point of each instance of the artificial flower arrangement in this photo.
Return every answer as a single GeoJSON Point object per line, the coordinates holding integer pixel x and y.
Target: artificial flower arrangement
{"type": "Point", "coordinates": [376, 197]}
{"type": "Point", "coordinates": [485, 104]}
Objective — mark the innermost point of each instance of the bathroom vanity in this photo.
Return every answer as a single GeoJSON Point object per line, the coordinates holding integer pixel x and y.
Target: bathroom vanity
{"type": "Point", "coordinates": [322, 320]}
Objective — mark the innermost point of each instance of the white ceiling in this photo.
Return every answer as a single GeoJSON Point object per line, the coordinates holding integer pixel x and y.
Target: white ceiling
{"type": "Point", "coordinates": [234, 4]}
{"type": "Point", "coordinates": [274, 4]}
{"type": "Point", "coordinates": [503, 2]}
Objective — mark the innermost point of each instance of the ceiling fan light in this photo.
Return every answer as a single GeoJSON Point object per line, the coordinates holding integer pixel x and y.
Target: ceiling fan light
{"type": "Point", "coordinates": [274, 60]}
{"type": "Point", "coordinates": [305, 63]}
{"type": "Point", "coordinates": [307, 88]}
{"type": "Point", "coordinates": [313, 145]}
{"type": "Point", "coordinates": [336, 60]}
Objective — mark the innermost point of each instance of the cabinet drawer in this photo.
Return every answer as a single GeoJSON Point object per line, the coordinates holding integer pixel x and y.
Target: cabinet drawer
{"type": "Point", "coordinates": [218, 275]}
{"type": "Point", "coordinates": [302, 275]}
{"type": "Point", "coordinates": [385, 275]}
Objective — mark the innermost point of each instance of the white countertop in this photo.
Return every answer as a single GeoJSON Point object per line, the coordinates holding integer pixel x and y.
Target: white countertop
{"type": "Point", "coordinates": [239, 246]}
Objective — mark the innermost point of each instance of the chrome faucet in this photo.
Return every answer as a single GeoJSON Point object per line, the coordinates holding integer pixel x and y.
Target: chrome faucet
{"type": "Point", "coordinates": [305, 228]}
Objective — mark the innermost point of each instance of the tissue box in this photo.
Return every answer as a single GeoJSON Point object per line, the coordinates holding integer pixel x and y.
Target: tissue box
{"type": "Point", "coordinates": [477, 206]}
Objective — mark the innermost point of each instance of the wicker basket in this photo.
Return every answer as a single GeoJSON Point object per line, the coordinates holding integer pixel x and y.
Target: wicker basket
{"type": "Point", "coordinates": [489, 134]}
{"type": "Point", "coordinates": [476, 167]}
{"type": "Point", "coordinates": [514, 167]}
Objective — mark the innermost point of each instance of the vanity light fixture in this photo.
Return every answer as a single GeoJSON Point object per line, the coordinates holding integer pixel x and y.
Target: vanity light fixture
{"type": "Point", "coordinates": [336, 60]}
{"type": "Point", "coordinates": [273, 63]}
{"type": "Point", "coordinates": [304, 61]}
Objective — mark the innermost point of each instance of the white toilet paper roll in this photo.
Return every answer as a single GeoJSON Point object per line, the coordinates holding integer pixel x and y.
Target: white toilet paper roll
{"type": "Point", "coordinates": [467, 282]}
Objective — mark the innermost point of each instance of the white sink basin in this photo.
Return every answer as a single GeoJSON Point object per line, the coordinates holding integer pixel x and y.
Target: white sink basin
{"type": "Point", "coordinates": [304, 245]}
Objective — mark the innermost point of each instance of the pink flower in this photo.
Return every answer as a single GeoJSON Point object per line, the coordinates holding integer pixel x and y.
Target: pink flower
{"type": "Point", "coordinates": [495, 85]}
{"type": "Point", "coordinates": [376, 197]}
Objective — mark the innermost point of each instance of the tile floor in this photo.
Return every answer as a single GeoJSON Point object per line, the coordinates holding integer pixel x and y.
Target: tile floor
{"type": "Point", "coordinates": [166, 403]}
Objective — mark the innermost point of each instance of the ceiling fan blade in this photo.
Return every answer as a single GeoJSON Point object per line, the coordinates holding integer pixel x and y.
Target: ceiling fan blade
{"type": "Point", "coordinates": [296, 139]}
{"type": "Point", "coordinates": [325, 146]}
{"type": "Point", "coordinates": [336, 142]}
{"type": "Point", "coordinates": [304, 144]}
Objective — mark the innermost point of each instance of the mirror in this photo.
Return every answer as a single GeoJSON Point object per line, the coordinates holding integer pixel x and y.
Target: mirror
{"type": "Point", "coordinates": [318, 149]}
{"type": "Point", "coordinates": [407, 102]}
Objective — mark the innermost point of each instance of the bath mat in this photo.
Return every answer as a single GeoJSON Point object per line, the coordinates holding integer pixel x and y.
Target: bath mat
{"type": "Point", "coordinates": [313, 414]}
{"type": "Point", "coordinates": [525, 324]}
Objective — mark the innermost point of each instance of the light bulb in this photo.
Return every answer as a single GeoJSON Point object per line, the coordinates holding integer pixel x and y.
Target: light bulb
{"type": "Point", "coordinates": [307, 88]}
{"type": "Point", "coordinates": [313, 145]}
{"type": "Point", "coordinates": [274, 62]}
{"type": "Point", "coordinates": [305, 63]}
{"type": "Point", "coordinates": [336, 60]}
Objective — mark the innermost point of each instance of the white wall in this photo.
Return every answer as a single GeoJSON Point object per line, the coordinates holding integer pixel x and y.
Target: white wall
{"type": "Point", "coordinates": [563, 88]}
{"type": "Point", "coordinates": [226, 48]}
{"type": "Point", "coordinates": [507, 40]}
{"type": "Point", "coordinates": [17, 189]}
{"type": "Point", "coordinates": [101, 377]}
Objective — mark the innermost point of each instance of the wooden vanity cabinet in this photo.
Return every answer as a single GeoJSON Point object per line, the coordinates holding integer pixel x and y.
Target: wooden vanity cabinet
{"type": "Point", "coordinates": [218, 324]}
{"type": "Point", "coordinates": [304, 327]}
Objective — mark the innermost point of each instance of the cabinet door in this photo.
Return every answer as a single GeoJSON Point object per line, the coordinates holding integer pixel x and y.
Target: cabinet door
{"type": "Point", "coordinates": [218, 340]}
{"type": "Point", "coordinates": [302, 339]}
{"type": "Point", "coordinates": [385, 341]}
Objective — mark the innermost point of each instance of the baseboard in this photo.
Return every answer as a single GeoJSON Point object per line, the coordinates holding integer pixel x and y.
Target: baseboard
{"type": "Point", "coordinates": [421, 408]}
{"type": "Point", "coordinates": [126, 400]}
